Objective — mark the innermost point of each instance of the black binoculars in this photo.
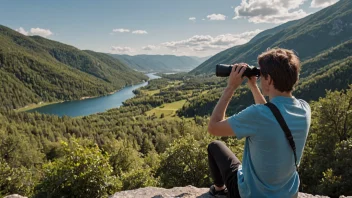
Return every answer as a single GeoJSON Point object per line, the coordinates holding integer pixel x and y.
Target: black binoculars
{"type": "Point", "coordinates": [223, 70]}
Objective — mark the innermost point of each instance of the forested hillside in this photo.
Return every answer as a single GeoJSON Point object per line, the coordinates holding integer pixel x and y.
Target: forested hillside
{"type": "Point", "coordinates": [141, 144]}
{"type": "Point", "coordinates": [309, 37]}
{"type": "Point", "coordinates": [160, 63]}
{"type": "Point", "coordinates": [159, 137]}
{"type": "Point", "coordinates": [330, 70]}
{"type": "Point", "coordinates": [35, 69]}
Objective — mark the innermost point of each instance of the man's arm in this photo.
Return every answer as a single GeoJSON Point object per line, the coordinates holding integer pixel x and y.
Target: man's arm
{"type": "Point", "coordinates": [257, 95]}
{"type": "Point", "coordinates": [218, 125]}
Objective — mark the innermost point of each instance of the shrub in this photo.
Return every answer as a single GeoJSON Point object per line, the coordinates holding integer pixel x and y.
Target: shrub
{"type": "Point", "coordinates": [83, 171]}
{"type": "Point", "coordinates": [138, 178]}
{"type": "Point", "coordinates": [16, 180]}
{"type": "Point", "coordinates": [184, 163]}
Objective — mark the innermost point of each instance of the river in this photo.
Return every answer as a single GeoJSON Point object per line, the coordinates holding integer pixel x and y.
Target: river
{"type": "Point", "coordinates": [92, 105]}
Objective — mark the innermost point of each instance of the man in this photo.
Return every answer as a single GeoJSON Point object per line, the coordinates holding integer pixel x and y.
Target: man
{"type": "Point", "coordinates": [268, 168]}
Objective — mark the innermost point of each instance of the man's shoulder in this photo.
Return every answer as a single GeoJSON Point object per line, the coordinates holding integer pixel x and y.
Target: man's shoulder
{"type": "Point", "coordinates": [256, 110]}
{"type": "Point", "coordinates": [304, 104]}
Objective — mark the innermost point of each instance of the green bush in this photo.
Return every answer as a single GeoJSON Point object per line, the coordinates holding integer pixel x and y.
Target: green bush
{"type": "Point", "coordinates": [123, 157]}
{"type": "Point", "coordinates": [138, 178]}
{"type": "Point", "coordinates": [83, 171]}
{"type": "Point", "coordinates": [326, 165]}
{"type": "Point", "coordinates": [184, 163]}
{"type": "Point", "coordinates": [16, 180]}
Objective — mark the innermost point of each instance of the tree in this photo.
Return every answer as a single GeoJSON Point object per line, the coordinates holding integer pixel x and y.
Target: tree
{"type": "Point", "coordinates": [16, 180]}
{"type": "Point", "coordinates": [184, 163]}
{"type": "Point", "coordinates": [83, 171]}
{"type": "Point", "coordinates": [327, 159]}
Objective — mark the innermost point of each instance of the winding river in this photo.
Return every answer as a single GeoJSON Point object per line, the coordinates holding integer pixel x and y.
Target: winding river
{"type": "Point", "coordinates": [93, 105]}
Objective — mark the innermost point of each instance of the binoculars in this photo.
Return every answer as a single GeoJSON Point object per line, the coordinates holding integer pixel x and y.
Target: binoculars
{"type": "Point", "coordinates": [223, 70]}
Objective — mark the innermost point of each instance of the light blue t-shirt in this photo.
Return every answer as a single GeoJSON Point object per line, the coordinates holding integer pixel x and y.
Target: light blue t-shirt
{"type": "Point", "coordinates": [268, 165]}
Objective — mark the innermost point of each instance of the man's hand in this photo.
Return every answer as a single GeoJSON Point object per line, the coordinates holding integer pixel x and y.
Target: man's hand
{"type": "Point", "coordinates": [236, 78]}
{"type": "Point", "coordinates": [258, 96]}
{"type": "Point", "coordinates": [252, 82]}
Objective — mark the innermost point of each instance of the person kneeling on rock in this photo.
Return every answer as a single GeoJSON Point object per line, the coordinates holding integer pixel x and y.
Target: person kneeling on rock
{"type": "Point", "coordinates": [275, 132]}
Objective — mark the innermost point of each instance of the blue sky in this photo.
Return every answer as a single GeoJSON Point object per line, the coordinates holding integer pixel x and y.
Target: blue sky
{"type": "Point", "coordinates": [182, 27]}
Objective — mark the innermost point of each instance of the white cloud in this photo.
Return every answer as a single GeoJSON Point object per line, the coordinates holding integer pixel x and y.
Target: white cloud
{"type": "Point", "coordinates": [139, 32]}
{"type": "Point", "coordinates": [118, 50]}
{"type": "Point", "coordinates": [35, 31]}
{"type": "Point", "coordinates": [322, 3]}
{"type": "Point", "coordinates": [207, 42]}
{"type": "Point", "coordinates": [274, 11]}
{"type": "Point", "coordinates": [41, 32]}
{"type": "Point", "coordinates": [121, 30]}
{"type": "Point", "coordinates": [216, 17]}
{"type": "Point", "coordinates": [22, 31]}
{"type": "Point", "coordinates": [149, 47]}
{"type": "Point", "coordinates": [203, 19]}
{"type": "Point", "coordinates": [192, 18]}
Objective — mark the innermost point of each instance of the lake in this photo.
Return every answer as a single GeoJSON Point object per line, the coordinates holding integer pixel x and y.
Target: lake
{"type": "Point", "coordinates": [92, 105]}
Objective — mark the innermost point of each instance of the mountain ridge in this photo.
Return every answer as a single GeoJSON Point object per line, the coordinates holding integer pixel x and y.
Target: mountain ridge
{"type": "Point", "coordinates": [35, 69]}
{"type": "Point", "coordinates": [160, 63]}
{"type": "Point", "coordinates": [333, 25]}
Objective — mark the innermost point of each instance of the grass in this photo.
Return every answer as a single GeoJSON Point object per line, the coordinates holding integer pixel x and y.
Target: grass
{"type": "Point", "coordinates": [34, 106]}
{"type": "Point", "coordinates": [205, 92]}
{"type": "Point", "coordinates": [168, 109]}
{"type": "Point", "coordinates": [152, 92]}
{"type": "Point", "coordinates": [171, 84]}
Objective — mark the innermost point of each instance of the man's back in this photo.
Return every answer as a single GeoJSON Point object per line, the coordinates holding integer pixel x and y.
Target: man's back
{"type": "Point", "coordinates": [268, 163]}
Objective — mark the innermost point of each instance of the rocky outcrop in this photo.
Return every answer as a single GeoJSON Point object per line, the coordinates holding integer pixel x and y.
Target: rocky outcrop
{"type": "Point", "coordinates": [14, 196]}
{"type": "Point", "coordinates": [184, 192]}
{"type": "Point", "coordinates": [181, 192]}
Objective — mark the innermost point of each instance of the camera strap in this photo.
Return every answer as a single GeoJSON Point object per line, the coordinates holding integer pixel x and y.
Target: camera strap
{"type": "Point", "coordinates": [284, 127]}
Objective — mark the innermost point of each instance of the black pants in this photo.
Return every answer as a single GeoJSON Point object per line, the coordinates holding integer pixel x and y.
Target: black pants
{"type": "Point", "coordinates": [223, 167]}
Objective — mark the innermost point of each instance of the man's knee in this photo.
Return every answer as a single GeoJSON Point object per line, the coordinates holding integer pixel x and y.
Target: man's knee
{"type": "Point", "coordinates": [214, 144]}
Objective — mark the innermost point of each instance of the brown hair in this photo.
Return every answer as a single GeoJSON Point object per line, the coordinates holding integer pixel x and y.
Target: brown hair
{"type": "Point", "coordinates": [282, 65]}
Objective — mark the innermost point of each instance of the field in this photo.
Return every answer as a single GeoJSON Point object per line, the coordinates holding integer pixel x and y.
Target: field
{"type": "Point", "coordinates": [34, 106]}
{"type": "Point", "coordinates": [168, 109]}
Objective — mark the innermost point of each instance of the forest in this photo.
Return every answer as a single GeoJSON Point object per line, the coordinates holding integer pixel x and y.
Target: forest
{"type": "Point", "coordinates": [159, 137]}
{"type": "Point", "coordinates": [128, 148]}
{"type": "Point", "coordinates": [34, 69]}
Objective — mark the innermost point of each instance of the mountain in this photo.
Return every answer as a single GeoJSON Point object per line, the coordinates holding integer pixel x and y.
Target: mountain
{"type": "Point", "coordinates": [330, 70]}
{"type": "Point", "coordinates": [160, 63]}
{"type": "Point", "coordinates": [201, 59]}
{"type": "Point", "coordinates": [308, 37]}
{"type": "Point", "coordinates": [35, 69]}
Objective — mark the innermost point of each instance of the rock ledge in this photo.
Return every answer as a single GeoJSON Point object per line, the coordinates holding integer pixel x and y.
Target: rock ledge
{"type": "Point", "coordinates": [181, 192]}
{"type": "Point", "coordinates": [184, 192]}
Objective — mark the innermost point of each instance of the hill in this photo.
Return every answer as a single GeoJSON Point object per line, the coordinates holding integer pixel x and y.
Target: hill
{"type": "Point", "coordinates": [320, 31]}
{"type": "Point", "coordinates": [125, 148]}
{"type": "Point", "coordinates": [160, 63]}
{"type": "Point", "coordinates": [35, 69]}
{"type": "Point", "coordinates": [201, 59]}
{"type": "Point", "coordinates": [329, 70]}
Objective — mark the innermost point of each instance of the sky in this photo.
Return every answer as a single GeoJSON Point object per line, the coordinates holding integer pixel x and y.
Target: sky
{"type": "Point", "coordinates": [179, 27]}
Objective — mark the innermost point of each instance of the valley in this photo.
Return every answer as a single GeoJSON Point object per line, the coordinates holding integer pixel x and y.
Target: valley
{"type": "Point", "coordinates": [155, 132]}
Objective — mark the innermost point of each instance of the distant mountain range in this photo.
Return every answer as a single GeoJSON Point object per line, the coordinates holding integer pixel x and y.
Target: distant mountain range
{"type": "Point", "coordinates": [35, 69]}
{"type": "Point", "coordinates": [323, 42]}
{"type": "Point", "coordinates": [309, 37]}
{"type": "Point", "coordinates": [160, 63]}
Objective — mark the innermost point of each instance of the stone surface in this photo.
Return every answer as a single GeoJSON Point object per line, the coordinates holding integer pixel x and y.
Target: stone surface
{"type": "Point", "coordinates": [14, 196]}
{"type": "Point", "coordinates": [181, 192]}
{"type": "Point", "coordinates": [184, 192]}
